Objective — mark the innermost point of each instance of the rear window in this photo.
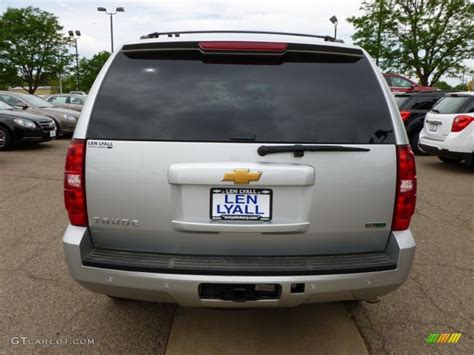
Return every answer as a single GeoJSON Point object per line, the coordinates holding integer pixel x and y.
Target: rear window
{"type": "Point", "coordinates": [452, 104]}
{"type": "Point", "coordinates": [189, 96]}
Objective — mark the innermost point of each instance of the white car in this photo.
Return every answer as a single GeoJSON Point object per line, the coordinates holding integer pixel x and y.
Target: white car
{"type": "Point", "coordinates": [449, 129]}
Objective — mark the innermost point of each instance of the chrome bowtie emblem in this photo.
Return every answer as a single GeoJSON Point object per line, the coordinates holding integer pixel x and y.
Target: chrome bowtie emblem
{"type": "Point", "coordinates": [242, 176]}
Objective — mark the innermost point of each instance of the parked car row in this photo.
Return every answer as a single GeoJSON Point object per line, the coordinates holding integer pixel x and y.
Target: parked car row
{"type": "Point", "coordinates": [25, 117]}
{"type": "Point", "coordinates": [439, 123]}
{"type": "Point", "coordinates": [413, 109]}
{"type": "Point", "coordinates": [445, 111]}
{"type": "Point", "coordinates": [18, 126]}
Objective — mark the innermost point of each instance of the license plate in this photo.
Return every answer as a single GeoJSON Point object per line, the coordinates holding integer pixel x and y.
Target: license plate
{"type": "Point", "coordinates": [433, 127]}
{"type": "Point", "coordinates": [241, 204]}
{"type": "Point", "coordinates": [52, 133]}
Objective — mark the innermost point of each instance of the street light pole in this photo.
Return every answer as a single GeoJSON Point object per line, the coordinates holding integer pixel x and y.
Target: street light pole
{"type": "Point", "coordinates": [111, 34]}
{"type": "Point", "coordinates": [77, 35]}
{"type": "Point", "coordinates": [77, 64]}
{"type": "Point", "coordinates": [118, 9]}
{"type": "Point", "coordinates": [334, 21]}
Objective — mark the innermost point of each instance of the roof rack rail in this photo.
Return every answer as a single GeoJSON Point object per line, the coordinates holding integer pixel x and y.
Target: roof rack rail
{"type": "Point", "coordinates": [178, 33]}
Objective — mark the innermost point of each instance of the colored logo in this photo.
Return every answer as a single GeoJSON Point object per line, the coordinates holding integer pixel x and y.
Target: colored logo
{"type": "Point", "coordinates": [242, 176]}
{"type": "Point", "coordinates": [443, 338]}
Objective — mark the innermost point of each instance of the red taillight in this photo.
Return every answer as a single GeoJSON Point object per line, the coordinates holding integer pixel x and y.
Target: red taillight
{"type": "Point", "coordinates": [406, 188]}
{"type": "Point", "coordinates": [405, 115]}
{"type": "Point", "coordinates": [460, 122]}
{"type": "Point", "coordinates": [238, 46]}
{"type": "Point", "coordinates": [74, 188]}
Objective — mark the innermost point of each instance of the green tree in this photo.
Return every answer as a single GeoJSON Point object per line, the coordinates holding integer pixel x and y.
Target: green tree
{"type": "Point", "coordinates": [88, 71]}
{"type": "Point", "coordinates": [372, 31]}
{"type": "Point", "coordinates": [8, 77]}
{"type": "Point", "coordinates": [426, 38]}
{"type": "Point", "coordinates": [442, 85]}
{"type": "Point", "coordinates": [90, 68]}
{"type": "Point", "coordinates": [31, 46]}
{"type": "Point", "coordinates": [460, 87]}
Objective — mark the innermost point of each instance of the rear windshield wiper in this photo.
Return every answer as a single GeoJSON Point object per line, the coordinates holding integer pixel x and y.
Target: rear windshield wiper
{"type": "Point", "coordinates": [435, 110]}
{"type": "Point", "coordinates": [299, 150]}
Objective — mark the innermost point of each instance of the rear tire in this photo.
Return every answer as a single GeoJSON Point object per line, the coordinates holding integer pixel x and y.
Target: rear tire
{"type": "Point", "coordinates": [415, 143]}
{"type": "Point", "coordinates": [449, 160]}
{"type": "Point", "coordinates": [469, 163]}
{"type": "Point", "coordinates": [6, 140]}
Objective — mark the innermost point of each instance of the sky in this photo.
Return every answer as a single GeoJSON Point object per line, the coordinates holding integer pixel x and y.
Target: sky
{"type": "Point", "coordinates": [146, 16]}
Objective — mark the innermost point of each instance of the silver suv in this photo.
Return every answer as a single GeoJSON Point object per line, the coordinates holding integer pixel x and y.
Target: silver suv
{"type": "Point", "coordinates": [234, 169]}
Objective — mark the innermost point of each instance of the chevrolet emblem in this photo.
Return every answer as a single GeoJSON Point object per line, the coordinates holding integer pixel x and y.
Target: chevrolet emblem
{"type": "Point", "coordinates": [242, 176]}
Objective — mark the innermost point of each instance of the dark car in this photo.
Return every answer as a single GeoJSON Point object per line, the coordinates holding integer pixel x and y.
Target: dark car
{"type": "Point", "coordinates": [413, 108]}
{"type": "Point", "coordinates": [17, 126]}
{"type": "Point", "coordinates": [65, 119]}
{"type": "Point", "coordinates": [399, 83]}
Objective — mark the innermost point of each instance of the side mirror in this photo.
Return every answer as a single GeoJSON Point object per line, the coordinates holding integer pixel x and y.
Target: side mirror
{"type": "Point", "coordinates": [21, 106]}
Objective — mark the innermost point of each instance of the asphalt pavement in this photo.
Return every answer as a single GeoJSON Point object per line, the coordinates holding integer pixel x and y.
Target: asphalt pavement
{"type": "Point", "coordinates": [439, 294]}
{"type": "Point", "coordinates": [42, 309]}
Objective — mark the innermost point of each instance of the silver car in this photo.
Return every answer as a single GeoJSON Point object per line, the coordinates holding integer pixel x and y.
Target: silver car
{"type": "Point", "coordinates": [69, 101]}
{"type": "Point", "coordinates": [240, 169]}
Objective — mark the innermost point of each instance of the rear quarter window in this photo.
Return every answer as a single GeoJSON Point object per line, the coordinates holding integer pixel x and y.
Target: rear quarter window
{"type": "Point", "coordinates": [297, 98]}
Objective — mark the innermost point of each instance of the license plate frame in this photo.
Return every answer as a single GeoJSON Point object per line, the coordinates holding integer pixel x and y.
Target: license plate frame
{"type": "Point", "coordinates": [267, 193]}
{"type": "Point", "coordinates": [52, 133]}
{"type": "Point", "coordinates": [433, 127]}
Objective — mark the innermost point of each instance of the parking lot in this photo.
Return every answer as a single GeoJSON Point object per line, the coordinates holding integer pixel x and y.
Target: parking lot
{"type": "Point", "coordinates": [39, 301]}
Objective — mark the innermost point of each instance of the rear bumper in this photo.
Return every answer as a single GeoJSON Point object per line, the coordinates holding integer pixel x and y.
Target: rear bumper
{"type": "Point", "coordinates": [445, 153]}
{"type": "Point", "coordinates": [454, 143]}
{"type": "Point", "coordinates": [239, 265]}
{"type": "Point", "coordinates": [182, 288]}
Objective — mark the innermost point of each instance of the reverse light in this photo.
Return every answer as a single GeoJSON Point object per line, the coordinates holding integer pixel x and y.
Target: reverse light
{"type": "Point", "coordinates": [74, 187]}
{"type": "Point", "coordinates": [460, 122]}
{"type": "Point", "coordinates": [405, 200]}
{"type": "Point", "coordinates": [239, 46]}
{"type": "Point", "coordinates": [405, 115]}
